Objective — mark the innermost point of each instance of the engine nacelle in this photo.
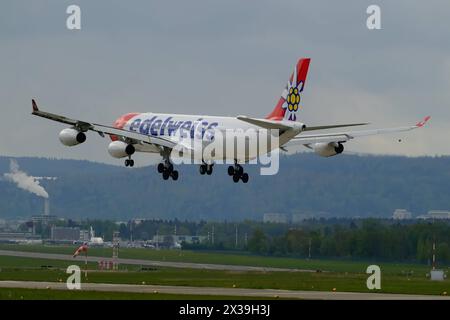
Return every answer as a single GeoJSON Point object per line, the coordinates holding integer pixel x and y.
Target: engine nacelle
{"type": "Point", "coordinates": [120, 149]}
{"type": "Point", "coordinates": [324, 149]}
{"type": "Point", "coordinates": [71, 137]}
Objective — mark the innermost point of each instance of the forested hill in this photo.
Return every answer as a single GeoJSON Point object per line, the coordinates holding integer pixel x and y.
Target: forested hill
{"type": "Point", "coordinates": [345, 185]}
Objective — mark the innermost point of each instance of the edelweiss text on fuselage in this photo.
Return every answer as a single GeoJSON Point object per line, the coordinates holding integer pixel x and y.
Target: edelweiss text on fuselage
{"type": "Point", "coordinates": [167, 127]}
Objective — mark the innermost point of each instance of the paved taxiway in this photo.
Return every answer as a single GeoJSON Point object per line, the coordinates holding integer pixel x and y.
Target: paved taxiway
{"type": "Point", "coordinates": [256, 293]}
{"type": "Point", "coordinates": [148, 263]}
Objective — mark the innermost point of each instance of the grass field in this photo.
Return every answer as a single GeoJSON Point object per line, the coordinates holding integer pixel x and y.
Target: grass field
{"type": "Point", "coordinates": [233, 259]}
{"type": "Point", "coordinates": [26, 269]}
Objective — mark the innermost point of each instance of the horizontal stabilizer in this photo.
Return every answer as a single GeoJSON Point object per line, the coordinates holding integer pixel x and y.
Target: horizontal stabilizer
{"type": "Point", "coordinates": [268, 124]}
{"type": "Point", "coordinates": [286, 125]}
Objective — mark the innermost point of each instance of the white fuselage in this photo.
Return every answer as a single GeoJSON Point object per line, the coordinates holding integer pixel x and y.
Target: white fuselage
{"type": "Point", "coordinates": [200, 131]}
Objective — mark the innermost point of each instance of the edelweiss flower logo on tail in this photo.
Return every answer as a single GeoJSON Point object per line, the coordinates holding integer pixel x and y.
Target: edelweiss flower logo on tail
{"type": "Point", "coordinates": [289, 102]}
{"type": "Point", "coordinates": [292, 96]}
{"type": "Point", "coordinates": [292, 102]}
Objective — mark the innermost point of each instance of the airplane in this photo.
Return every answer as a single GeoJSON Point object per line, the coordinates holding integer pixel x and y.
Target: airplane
{"type": "Point", "coordinates": [160, 133]}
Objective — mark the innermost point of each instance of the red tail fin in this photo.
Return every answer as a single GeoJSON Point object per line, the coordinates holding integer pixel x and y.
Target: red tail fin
{"type": "Point", "coordinates": [290, 99]}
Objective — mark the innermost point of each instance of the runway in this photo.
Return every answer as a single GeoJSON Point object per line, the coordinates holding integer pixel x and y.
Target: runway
{"type": "Point", "coordinates": [209, 291]}
{"type": "Point", "coordinates": [150, 263]}
{"type": "Point", "coordinates": [213, 291]}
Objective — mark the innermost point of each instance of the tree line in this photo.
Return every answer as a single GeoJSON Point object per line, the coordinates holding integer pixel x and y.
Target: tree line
{"type": "Point", "coordinates": [370, 239]}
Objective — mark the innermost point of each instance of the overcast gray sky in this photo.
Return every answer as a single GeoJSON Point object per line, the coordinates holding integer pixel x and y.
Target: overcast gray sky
{"type": "Point", "coordinates": [223, 58]}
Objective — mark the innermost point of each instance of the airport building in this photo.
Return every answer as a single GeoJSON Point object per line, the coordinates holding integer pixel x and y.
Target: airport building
{"type": "Point", "coordinates": [137, 221]}
{"type": "Point", "coordinates": [85, 235]}
{"type": "Point", "coordinates": [275, 218]}
{"type": "Point", "coordinates": [300, 217]}
{"type": "Point", "coordinates": [436, 215]}
{"type": "Point", "coordinates": [74, 234]}
{"type": "Point", "coordinates": [44, 219]}
{"type": "Point", "coordinates": [65, 234]}
{"type": "Point", "coordinates": [401, 214]}
{"type": "Point", "coordinates": [19, 237]}
{"type": "Point", "coordinates": [174, 240]}
{"type": "Point", "coordinates": [189, 239]}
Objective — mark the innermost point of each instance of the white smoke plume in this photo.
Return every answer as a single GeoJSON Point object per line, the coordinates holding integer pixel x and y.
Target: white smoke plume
{"type": "Point", "coordinates": [24, 181]}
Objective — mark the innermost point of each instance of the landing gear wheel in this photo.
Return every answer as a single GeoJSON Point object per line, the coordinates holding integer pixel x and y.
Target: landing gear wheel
{"type": "Point", "coordinates": [165, 167]}
{"type": "Point", "coordinates": [209, 170]}
{"type": "Point", "coordinates": [129, 163]}
{"type": "Point", "coordinates": [238, 173]}
{"type": "Point", "coordinates": [202, 169]}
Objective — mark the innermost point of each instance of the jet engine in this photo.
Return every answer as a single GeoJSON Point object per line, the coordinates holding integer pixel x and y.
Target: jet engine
{"type": "Point", "coordinates": [71, 137]}
{"type": "Point", "coordinates": [120, 149]}
{"type": "Point", "coordinates": [324, 149]}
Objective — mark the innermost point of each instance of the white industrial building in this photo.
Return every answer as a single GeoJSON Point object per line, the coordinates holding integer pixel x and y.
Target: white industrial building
{"type": "Point", "coordinates": [275, 218]}
{"type": "Point", "coordinates": [436, 215]}
{"type": "Point", "coordinates": [401, 214]}
{"type": "Point", "coordinates": [175, 241]}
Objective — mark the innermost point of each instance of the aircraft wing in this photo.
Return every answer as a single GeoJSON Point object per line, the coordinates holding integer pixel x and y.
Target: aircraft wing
{"type": "Point", "coordinates": [102, 129]}
{"type": "Point", "coordinates": [307, 139]}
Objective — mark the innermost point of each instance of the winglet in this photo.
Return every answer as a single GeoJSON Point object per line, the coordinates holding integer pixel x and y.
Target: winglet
{"type": "Point", "coordinates": [34, 104]}
{"type": "Point", "coordinates": [423, 122]}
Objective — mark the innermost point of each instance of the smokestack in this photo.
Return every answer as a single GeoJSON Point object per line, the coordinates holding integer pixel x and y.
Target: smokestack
{"type": "Point", "coordinates": [24, 181]}
{"type": "Point", "coordinates": [46, 207]}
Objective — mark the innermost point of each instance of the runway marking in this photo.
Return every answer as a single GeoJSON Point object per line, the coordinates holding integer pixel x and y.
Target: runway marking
{"type": "Point", "coordinates": [209, 291]}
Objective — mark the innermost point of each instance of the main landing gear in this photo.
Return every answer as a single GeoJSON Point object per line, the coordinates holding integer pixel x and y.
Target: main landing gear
{"type": "Point", "coordinates": [167, 171]}
{"type": "Point", "coordinates": [165, 167]}
{"type": "Point", "coordinates": [129, 162]}
{"type": "Point", "coordinates": [238, 173]}
{"type": "Point", "coordinates": [206, 169]}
